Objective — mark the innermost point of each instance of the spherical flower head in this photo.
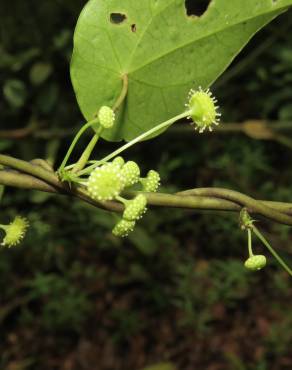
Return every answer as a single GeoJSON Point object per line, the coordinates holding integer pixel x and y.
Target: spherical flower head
{"type": "Point", "coordinates": [106, 117]}
{"type": "Point", "coordinates": [151, 182]}
{"type": "Point", "coordinates": [119, 161]}
{"type": "Point", "coordinates": [256, 262]}
{"type": "Point", "coordinates": [123, 228]}
{"type": "Point", "coordinates": [15, 231]}
{"type": "Point", "coordinates": [203, 109]}
{"type": "Point", "coordinates": [131, 173]}
{"type": "Point", "coordinates": [135, 208]}
{"type": "Point", "coordinates": [105, 182]}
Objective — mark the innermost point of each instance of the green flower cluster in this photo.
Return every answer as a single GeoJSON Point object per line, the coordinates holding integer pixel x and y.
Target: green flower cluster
{"type": "Point", "coordinates": [203, 109]}
{"type": "Point", "coordinates": [15, 231]}
{"type": "Point", "coordinates": [134, 210]}
{"type": "Point", "coordinates": [106, 117]}
{"type": "Point", "coordinates": [109, 180]}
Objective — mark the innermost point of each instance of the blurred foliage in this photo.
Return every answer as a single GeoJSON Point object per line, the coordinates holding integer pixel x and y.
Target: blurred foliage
{"type": "Point", "coordinates": [72, 295]}
{"type": "Point", "coordinates": [161, 366]}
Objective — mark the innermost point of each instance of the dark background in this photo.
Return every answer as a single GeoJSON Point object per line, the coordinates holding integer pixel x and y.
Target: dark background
{"type": "Point", "coordinates": [72, 296]}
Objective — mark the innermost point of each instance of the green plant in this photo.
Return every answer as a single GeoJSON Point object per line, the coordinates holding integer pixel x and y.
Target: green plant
{"type": "Point", "coordinates": [133, 85]}
{"type": "Point", "coordinates": [15, 231]}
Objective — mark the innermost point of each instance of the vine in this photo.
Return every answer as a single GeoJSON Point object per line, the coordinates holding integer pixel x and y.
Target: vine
{"type": "Point", "coordinates": [109, 184]}
{"type": "Point", "coordinates": [116, 185]}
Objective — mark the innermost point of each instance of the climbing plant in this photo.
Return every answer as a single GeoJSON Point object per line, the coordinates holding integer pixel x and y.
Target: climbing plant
{"type": "Point", "coordinates": [137, 68]}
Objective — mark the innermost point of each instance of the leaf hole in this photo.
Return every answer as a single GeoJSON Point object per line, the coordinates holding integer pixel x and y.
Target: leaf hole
{"type": "Point", "coordinates": [117, 18]}
{"type": "Point", "coordinates": [196, 7]}
{"type": "Point", "coordinates": [133, 28]}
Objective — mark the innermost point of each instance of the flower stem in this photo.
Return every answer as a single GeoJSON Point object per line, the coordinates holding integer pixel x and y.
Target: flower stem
{"type": "Point", "coordinates": [81, 163]}
{"type": "Point", "coordinates": [271, 249]}
{"type": "Point", "coordinates": [74, 142]}
{"type": "Point", "coordinates": [122, 200]}
{"type": "Point", "coordinates": [136, 140]}
{"type": "Point", "coordinates": [250, 252]}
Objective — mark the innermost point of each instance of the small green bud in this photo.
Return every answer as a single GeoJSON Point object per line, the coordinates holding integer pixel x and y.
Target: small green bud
{"type": "Point", "coordinates": [245, 221]}
{"type": "Point", "coordinates": [106, 117]}
{"type": "Point", "coordinates": [119, 161]}
{"type": "Point", "coordinates": [204, 112]}
{"type": "Point", "coordinates": [68, 176]}
{"type": "Point", "coordinates": [135, 208]}
{"type": "Point", "coordinates": [256, 262]}
{"type": "Point", "coordinates": [151, 182]}
{"type": "Point", "coordinates": [105, 182]}
{"type": "Point", "coordinates": [15, 231]}
{"type": "Point", "coordinates": [131, 173]}
{"type": "Point", "coordinates": [123, 228]}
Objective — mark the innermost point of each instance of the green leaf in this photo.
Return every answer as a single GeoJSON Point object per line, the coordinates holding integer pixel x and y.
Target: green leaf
{"type": "Point", "coordinates": [15, 93]}
{"type": "Point", "coordinates": [161, 366]}
{"type": "Point", "coordinates": [163, 52]}
{"type": "Point", "coordinates": [39, 73]}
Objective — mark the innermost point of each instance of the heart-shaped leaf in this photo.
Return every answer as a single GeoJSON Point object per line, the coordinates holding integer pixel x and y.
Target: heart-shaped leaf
{"type": "Point", "coordinates": [161, 50]}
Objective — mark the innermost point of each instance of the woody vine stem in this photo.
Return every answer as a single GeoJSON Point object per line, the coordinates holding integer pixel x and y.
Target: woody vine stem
{"type": "Point", "coordinates": [38, 175]}
{"type": "Point", "coordinates": [109, 185]}
{"type": "Point", "coordinates": [32, 176]}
